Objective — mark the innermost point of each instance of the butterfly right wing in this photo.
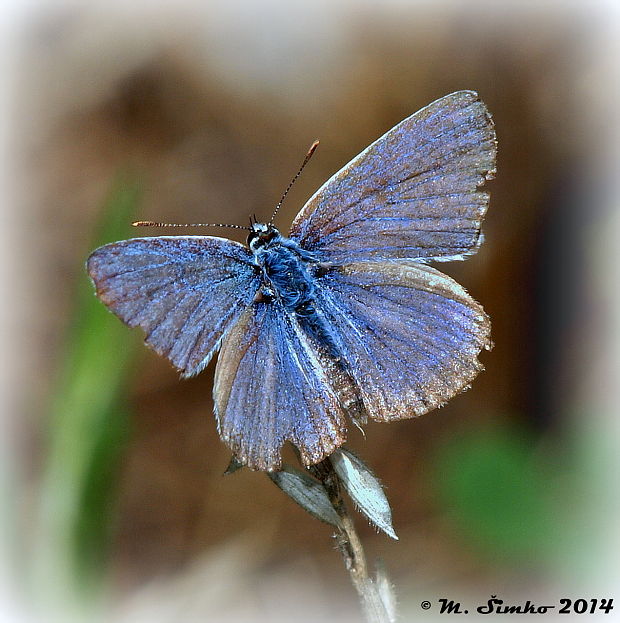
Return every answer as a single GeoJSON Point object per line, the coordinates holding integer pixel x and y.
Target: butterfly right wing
{"type": "Point", "coordinates": [185, 292]}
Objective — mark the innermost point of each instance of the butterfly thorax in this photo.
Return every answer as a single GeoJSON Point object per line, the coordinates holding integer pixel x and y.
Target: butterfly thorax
{"type": "Point", "coordinates": [285, 268]}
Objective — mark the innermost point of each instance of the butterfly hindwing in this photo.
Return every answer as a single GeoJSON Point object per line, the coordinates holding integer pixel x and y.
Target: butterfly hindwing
{"type": "Point", "coordinates": [410, 334]}
{"type": "Point", "coordinates": [183, 291]}
{"type": "Point", "coordinates": [271, 386]}
{"type": "Point", "coordinates": [411, 194]}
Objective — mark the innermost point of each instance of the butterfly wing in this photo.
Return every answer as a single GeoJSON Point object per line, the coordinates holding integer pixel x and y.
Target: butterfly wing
{"type": "Point", "coordinates": [272, 386]}
{"type": "Point", "coordinates": [184, 292]}
{"type": "Point", "coordinates": [410, 334]}
{"type": "Point", "coordinates": [412, 194]}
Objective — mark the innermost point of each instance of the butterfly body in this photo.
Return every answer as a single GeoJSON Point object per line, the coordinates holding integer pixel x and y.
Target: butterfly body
{"type": "Point", "coordinates": [289, 275]}
{"type": "Point", "coordinates": [343, 319]}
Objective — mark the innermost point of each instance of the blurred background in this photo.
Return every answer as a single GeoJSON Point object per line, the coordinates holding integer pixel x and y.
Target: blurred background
{"type": "Point", "coordinates": [114, 503]}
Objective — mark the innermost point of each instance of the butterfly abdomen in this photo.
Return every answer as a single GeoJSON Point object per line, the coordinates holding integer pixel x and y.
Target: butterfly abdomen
{"type": "Point", "coordinates": [316, 327]}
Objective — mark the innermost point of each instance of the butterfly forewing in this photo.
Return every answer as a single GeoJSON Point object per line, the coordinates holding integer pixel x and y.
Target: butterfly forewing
{"type": "Point", "coordinates": [411, 335]}
{"type": "Point", "coordinates": [184, 292]}
{"type": "Point", "coordinates": [271, 387]}
{"type": "Point", "coordinates": [412, 194]}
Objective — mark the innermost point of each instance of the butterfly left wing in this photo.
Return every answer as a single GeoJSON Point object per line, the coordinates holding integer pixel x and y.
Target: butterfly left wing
{"type": "Point", "coordinates": [271, 386]}
{"type": "Point", "coordinates": [183, 291]}
{"type": "Point", "coordinates": [410, 335]}
{"type": "Point", "coordinates": [412, 194]}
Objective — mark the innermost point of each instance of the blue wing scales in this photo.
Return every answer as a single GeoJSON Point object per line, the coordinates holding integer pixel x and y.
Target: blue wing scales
{"type": "Point", "coordinates": [412, 194]}
{"type": "Point", "coordinates": [410, 335]}
{"type": "Point", "coordinates": [183, 291]}
{"type": "Point", "coordinates": [271, 386]}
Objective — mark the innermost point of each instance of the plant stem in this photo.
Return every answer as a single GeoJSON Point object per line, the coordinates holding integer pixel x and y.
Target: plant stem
{"type": "Point", "coordinates": [350, 546]}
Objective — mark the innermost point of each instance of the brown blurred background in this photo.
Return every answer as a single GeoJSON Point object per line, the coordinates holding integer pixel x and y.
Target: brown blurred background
{"type": "Point", "coordinates": [191, 113]}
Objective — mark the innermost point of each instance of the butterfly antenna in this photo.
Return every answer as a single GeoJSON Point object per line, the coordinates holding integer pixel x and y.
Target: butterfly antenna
{"type": "Point", "coordinates": [155, 224]}
{"type": "Point", "coordinates": [301, 168]}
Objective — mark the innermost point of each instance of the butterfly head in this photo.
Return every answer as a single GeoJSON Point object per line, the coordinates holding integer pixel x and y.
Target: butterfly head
{"type": "Point", "coordinates": [262, 236]}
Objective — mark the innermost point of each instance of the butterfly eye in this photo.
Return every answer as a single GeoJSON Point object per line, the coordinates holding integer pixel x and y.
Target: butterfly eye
{"type": "Point", "coordinates": [253, 241]}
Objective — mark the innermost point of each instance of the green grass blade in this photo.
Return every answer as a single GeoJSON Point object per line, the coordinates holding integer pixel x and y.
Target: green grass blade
{"type": "Point", "coordinates": [88, 428]}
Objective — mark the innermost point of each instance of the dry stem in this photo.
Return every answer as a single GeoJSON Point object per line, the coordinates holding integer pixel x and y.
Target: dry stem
{"type": "Point", "coordinates": [350, 546]}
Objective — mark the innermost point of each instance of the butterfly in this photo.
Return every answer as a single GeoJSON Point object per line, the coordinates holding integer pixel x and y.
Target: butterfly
{"type": "Point", "coordinates": [342, 319]}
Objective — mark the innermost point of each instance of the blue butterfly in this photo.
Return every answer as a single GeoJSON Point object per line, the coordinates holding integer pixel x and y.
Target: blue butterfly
{"type": "Point", "coordinates": [341, 319]}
